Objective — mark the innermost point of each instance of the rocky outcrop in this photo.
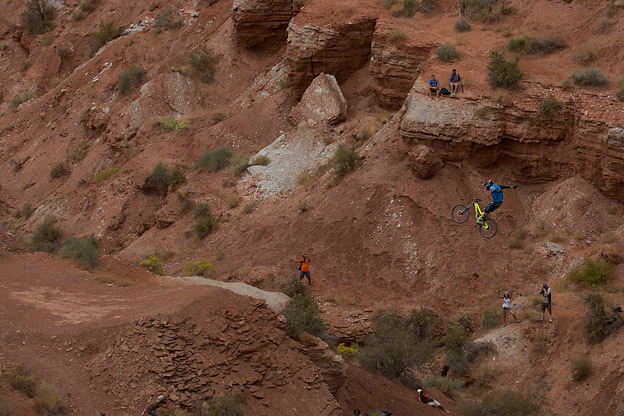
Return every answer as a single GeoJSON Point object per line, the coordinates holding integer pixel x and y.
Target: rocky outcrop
{"type": "Point", "coordinates": [394, 65]}
{"type": "Point", "coordinates": [333, 368]}
{"type": "Point", "coordinates": [322, 102]}
{"type": "Point", "coordinates": [338, 49]}
{"type": "Point", "coordinates": [424, 162]}
{"type": "Point", "coordinates": [545, 148]}
{"type": "Point", "coordinates": [258, 21]}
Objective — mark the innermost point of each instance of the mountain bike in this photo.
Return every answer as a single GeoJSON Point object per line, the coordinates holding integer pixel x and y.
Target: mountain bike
{"type": "Point", "coordinates": [461, 212]}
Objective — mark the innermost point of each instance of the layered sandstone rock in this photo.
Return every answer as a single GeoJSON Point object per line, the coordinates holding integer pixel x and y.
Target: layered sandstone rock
{"type": "Point", "coordinates": [338, 49]}
{"type": "Point", "coordinates": [257, 21]}
{"type": "Point", "coordinates": [332, 366]}
{"type": "Point", "coordinates": [322, 102]}
{"type": "Point", "coordinates": [395, 65]}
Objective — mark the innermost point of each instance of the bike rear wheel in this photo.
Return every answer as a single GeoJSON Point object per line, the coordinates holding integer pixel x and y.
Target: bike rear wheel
{"type": "Point", "coordinates": [489, 229]}
{"type": "Point", "coordinates": [460, 213]}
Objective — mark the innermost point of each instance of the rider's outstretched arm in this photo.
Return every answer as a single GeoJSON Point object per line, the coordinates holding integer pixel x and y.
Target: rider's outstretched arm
{"type": "Point", "coordinates": [508, 186]}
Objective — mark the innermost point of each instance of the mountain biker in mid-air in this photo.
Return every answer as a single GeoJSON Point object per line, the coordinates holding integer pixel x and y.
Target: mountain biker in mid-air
{"type": "Point", "coordinates": [497, 198]}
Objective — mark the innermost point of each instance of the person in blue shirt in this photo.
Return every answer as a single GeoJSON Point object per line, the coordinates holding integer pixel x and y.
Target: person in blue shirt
{"type": "Point", "coordinates": [497, 198]}
{"type": "Point", "coordinates": [434, 87]}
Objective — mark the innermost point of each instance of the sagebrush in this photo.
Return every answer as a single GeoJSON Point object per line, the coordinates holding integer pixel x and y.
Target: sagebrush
{"type": "Point", "coordinates": [83, 250]}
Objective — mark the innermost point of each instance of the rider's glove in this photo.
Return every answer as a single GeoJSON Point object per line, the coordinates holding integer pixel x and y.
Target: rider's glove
{"type": "Point", "coordinates": [515, 186]}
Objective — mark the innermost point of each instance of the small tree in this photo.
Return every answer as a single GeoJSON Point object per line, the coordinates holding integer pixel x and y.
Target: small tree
{"type": "Point", "coordinates": [204, 63]}
{"type": "Point", "coordinates": [302, 315]}
{"type": "Point", "coordinates": [38, 17]}
{"type": "Point", "coordinates": [503, 73]}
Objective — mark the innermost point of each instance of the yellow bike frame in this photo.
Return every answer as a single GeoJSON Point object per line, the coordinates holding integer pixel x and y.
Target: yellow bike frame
{"type": "Point", "coordinates": [479, 214]}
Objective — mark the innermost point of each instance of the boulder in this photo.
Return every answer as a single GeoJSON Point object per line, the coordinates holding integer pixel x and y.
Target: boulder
{"type": "Point", "coordinates": [322, 102]}
{"type": "Point", "coordinates": [424, 162]}
{"type": "Point", "coordinates": [258, 21]}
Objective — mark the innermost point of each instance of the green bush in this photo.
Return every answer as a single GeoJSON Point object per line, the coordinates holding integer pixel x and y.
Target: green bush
{"type": "Point", "coordinates": [518, 237]}
{"type": "Point", "coordinates": [162, 178]}
{"type": "Point", "coordinates": [172, 124]}
{"type": "Point", "coordinates": [491, 317]}
{"type": "Point", "coordinates": [201, 267]}
{"type": "Point", "coordinates": [204, 64]}
{"type": "Point", "coordinates": [21, 378]}
{"type": "Point", "coordinates": [249, 207]}
{"type": "Point", "coordinates": [586, 54]}
{"type": "Point", "coordinates": [581, 368]}
{"type": "Point", "coordinates": [447, 385]}
{"type": "Point", "coordinates": [261, 160]}
{"type": "Point", "coordinates": [132, 78]}
{"type": "Point", "coordinates": [104, 174]}
{"type": "Point", "coordinates": [37, 17]}
{"type": "Point", "coordinates": [592, 273]}
{"type": "Point", "coordinates": [503, 73]}
{"type": "Point", "coordinates": [214, 160]}
{"type": "Point", "coordinates": [153, 264]}
{"type": "Point", "coordinates": [106, 33]}
{"type": "Point", "coordinates": [46, 236]}
{"type": "Point", "coordinates": [396, 34]}
{"type": "Point", "coordinates": [88, 5]}
{"type": "Point", "coordinates": [21, 98]}
{"type": "Point", "coordinates": [530, 45]}
{"type": "Point", "coordinates": [48, 400]}
{"type": "Point", "coordinates": [168, 19]}
{"type": "Point", "coordinates": [83, 250]}
{"type": "Point", "coordinates": [600, 321]}
{"type": "Point", "coordinates": [205, 223]}
{"type": "Point", "coordinates": [422, 323]}
{"type": "Point", "coordinates": [549, 107]}
{"type": "Point", "coordinates": [504, 403]}
{"type": "Point", "coordinates": [447, 53]}
{"type": "Point", "coordinates": [294, 287]}
{"type": "Point", "coordinates": [223, 405]}
{"type": "Point", "coordinates": [620, 91]}
{"type": "Point", "coordinates": [302, 315]}
{"type": "Point", "coordinates": [462, 25]}
{"type": "Point", "coordinates": [344, 160]}
{"type": "Point", "coordinates": [58, 170]}
{"type": "Point", "coordinates": [232, 201]}
{"type": "Point", "coordinates": [80, 150]}
{"type": "Point", "coordinates": [592, 77]}
{"type": "Point", "coordinates": [409, 7]}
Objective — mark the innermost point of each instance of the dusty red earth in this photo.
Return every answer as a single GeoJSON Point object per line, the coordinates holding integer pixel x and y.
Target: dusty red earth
{"type": "Point", "coordinates": [381, 237]}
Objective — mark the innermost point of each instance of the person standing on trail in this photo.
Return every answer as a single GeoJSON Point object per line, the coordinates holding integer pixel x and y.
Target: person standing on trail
{"type": "Point", "coordinates": [497, 198]}
{"type": "Point", "coordinates": [161, 401]}
{"type": "Point", "coordinates": [546, 301]}
{"type": "Point", "coordinates": [507, 306]}
{"type": "Point", "coordinates": [424, 398]}
{"type": "Point", "coordinates": [304, 268]}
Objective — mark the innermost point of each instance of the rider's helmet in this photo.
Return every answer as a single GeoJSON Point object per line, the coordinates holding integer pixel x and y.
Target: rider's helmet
{"type": "Point", "coordinates": [488, 184]}
{"type": "Point", "coordinates": [419, 391]}
{"type": "Point", "coordinates": [160, 398]}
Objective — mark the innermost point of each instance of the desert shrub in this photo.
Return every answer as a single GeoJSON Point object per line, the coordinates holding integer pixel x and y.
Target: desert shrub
{"type": "Point", "coordinates": [20, 378]}
{"type": "Point", "coordinates": [294, 287]}
{"type": "Point", "coordinates": [88, 5]}
{"type": "Point", "coordinates": [152, 264]}
{"type": "Point", "coordinates": [223, 405]}
{"type": "Point", "coordinates": [249, 207]}
{"type": "Point", "coordinates": [239, 163]}
{"type": "Point", "coordinates": [201, 210]}
{"type": "Point", "coordinates": [201, 267]}
{"type": "Point", "coordinates": [530, 45]}
{"type": "Point", "coordinates": [104, 174]}
{"type": "Point", "coordinates": [503, 73]}
{"type": "Point", "coordinates": [159, 178]}
{"type": "Point", "coordinates": [422, 322]}
{"type": "Point", "coordinates": [303, 205]}
{"type": "Point", "coordinates": [106, 33]}
{"type": "Point", "coordinates": [83, 250]}
{"type": "Point", "coordinates": [487, 11]}
{"type": "Point", "coordinates": [504, 403]}
{"type": "Point", "coordinates": [130, 79]}
{"type": "Point", "coordinates": [261, 160]}
{"type": "Point", "coordinates": [491, 317]}
{"type": "Point", "coordinates": [446, 385]}
{"type": "Point", "coordinates": [306, 178]}
{"type": "Point", "coordinates": [46, 236]}
{"type": "Point", "coordinates": [217, 117]}
{"type": "Point", "coordinates": [58, 170]}
{"type": "Point", "coordinates": [345, 160]}
{"type": "Point", "coordinates": [37, 17]}
{"type": "Point", "coordinates": [517, 237]}
{"type": "Point", "coordinates": [459, 328]}
{"type": "Point", "coordinates": [232, 201]}
{"type": "Point", "coordinates": [600, 320]}
{"type": "Point", "coordinates": [205, 223]}
{"type": "Point", "coordinates": [48, 400]}
{"type": "Point", "coordinates": [407, 9]}
{"type": "Point", "coordinates": [168, 19]}
{"type": "Point", "coordinates": [462, 25]}
{"type": "Point", "coordinates": [302, 315]}
{"type": "Point", "coordinates": [80, 150]}
{"type": "Point", "coordinates": [396, 34]}
{"type": "Point", "coordinates": [204, 64]}
{"type": "Point", "coordinates": [620, 90]}
{"type": "Point", "coordinates": [171, 124]}
{"type": "Point", "coordinates": [592, 77]}
{"type": "Point", "coordinates": [351, 353]}
{"type": "Point", "coordinates": [486, 375]}
{"type": "Point", "coordinates": [63, 53]}
{"type": "Point", "coordinates": [214, 160]}
{"type": "Point", "coordinates": [21, 98]}
{"type": "Point", "coordinates": [549, 107]}
{"type": "Point", "coordinates": [581, 368]}
{"type": "Point", "coordinates": [586, 54]}
{"type": "Point", "coordinates": [592, 273]}
{"type": "Point", "coordinates": [447, 53]}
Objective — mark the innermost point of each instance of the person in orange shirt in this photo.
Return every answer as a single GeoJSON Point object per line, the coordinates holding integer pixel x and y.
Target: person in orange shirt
{"type": "Point", "coordinates": [304, 268]}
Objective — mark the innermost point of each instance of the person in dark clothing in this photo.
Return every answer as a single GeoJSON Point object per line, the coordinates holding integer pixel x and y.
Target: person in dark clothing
{"type": "Point", "coordinates": [161, 401]}
{"type": "Point", "coordinates": [497, 198]}
{"type": "Point", "coordinates": [546, 301]}
{"type": "Point", "coordinates": [304, 268]}
{"type": "Point", "coordinates": [454, 80]}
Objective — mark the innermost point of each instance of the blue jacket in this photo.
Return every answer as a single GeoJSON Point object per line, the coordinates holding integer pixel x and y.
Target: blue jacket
{"type": "Point", "coordinates": [497, 192]}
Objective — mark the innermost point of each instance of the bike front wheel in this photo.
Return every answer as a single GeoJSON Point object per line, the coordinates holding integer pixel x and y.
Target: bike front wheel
{"type": "Point", "coordinates": [460, 213]}
{"type": "Point", "coordinates": [489, 228]}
